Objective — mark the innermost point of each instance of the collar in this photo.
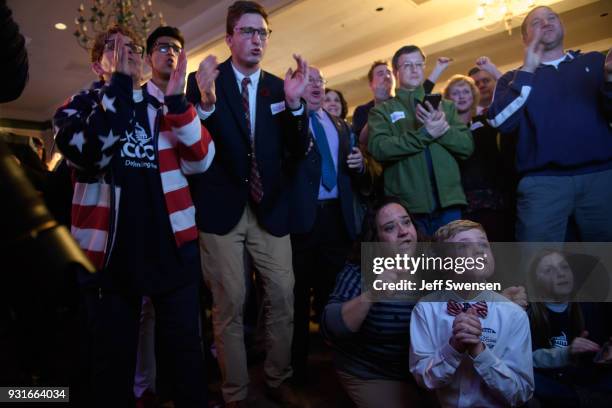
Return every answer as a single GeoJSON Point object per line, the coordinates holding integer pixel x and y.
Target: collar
{"type": "Point", "coordinates": [154, 91]}
{"type": "Point", "coordinates": [254, 76]}
{"type": "Point", "coordinates": [319, 112]}
{"type": "Point", "coordinates": [557, 307]}
{"type": "Point", "coordinates": [407, 97]}
{"type": "Point", "coordinates": [569, 56]}
{"type": "Point", "coordinates": [97, 84]}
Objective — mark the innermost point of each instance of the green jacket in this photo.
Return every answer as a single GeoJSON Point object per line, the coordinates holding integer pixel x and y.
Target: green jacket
{"type": "Point", "coordinates": [399, 141]}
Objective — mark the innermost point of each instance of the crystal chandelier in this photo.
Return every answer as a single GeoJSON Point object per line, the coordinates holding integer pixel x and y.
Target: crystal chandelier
{"type": "Point", "coordinates": [136, 15]}
{"type": "Point", "coordinates": [490, 13]}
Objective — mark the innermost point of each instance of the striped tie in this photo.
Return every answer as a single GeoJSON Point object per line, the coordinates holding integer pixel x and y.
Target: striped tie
{"type": "Point", "coordinates": [454, 308]}
{"type": "Point", "coordinates": [256, 188]}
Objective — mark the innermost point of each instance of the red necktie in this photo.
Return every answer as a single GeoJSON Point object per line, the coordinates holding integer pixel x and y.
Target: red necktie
{"type": "Point", "coordinates": [454, 308]}
{"type": "Point", "coordinates": [256, 188]}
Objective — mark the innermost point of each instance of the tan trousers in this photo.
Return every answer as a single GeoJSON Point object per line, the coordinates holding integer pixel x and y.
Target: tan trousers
{"type": "Point", "coordinates": [223, 268]}
{"type": "Point", "coordinates": [380, 393]}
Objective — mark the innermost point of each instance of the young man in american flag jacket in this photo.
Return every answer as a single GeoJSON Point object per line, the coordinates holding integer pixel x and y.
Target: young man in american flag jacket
{"type": "Point", "coordinates": [132, 212]}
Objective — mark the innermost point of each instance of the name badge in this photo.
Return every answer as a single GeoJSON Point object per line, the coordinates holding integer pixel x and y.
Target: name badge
{"type": "Point", "coordinates": [395, 116]}
{"type": "Point", "coordinates": [277, 107]}
{"type": "Point", "coordinates": [476, 125]}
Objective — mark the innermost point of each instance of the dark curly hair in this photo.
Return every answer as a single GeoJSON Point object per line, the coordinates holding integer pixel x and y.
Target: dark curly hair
{"type": "Point", "coordinates": [343, 104]}
{"type": "Point", "coordinates": [369, 229]}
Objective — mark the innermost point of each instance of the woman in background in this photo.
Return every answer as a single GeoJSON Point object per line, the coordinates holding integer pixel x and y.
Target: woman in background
{"type": "Point", "coordinates": [335, 104]}
{"type": "Point", "coordinates": [567, 337]}
{"type": "Point", "coordinates": [485, 174]}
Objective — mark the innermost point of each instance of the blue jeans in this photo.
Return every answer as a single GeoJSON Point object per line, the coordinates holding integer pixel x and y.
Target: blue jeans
{"type": "Point", "coordinates": [429, 223]}
{"type": "Point", "coordinates": [545, 204]}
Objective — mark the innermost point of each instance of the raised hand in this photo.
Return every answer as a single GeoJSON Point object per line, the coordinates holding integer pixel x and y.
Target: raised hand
{"type": "Point", "coordinates": [176, 83]}
{"type": "Point", "coordinates": [121, 56]}
{"type": "Point", "coordinates": [207, 74]}
{"type": "Point", "coordinates": [533, 51]}
{"type": "Point", "coordinates": [295, 82]}
{"type": "Point", "coordinates": [485, 64]}
{"type": "Point", "coordinates": [441, 65]}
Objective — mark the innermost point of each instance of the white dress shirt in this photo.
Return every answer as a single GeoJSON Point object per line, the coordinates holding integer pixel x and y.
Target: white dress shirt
{"type": "Point", "coordinates": [500, 376]}
{"type": "Point", "coordinates": [203, 115]}
{"type": "Point", "coordinates": [333, 141]}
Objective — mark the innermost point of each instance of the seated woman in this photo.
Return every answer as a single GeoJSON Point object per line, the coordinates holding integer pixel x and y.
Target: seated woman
{"type": "Point", "coordinates": [569, 363]}
{"type": "Point", "coordinates": [487, 174]}
{"type": "Point", "coordinates": [371, 339]}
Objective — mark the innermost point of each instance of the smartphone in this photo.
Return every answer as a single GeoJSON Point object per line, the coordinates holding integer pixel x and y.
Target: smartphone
{"type": "Point", "coordinates": [433, 99]}
{"type": "Point", "coordinates": [604, 356]}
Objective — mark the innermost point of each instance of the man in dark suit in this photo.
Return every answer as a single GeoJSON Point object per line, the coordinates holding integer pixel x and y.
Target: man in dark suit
{"type": "Point", "coordinates": [258, 124]}
{"type": "Point", "coordinates": [323, 222]}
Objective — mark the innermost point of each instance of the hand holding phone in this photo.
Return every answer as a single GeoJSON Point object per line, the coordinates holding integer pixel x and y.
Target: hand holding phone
{"type": "Point", "coordinates": [434, 120]}
{"type": "Point", "coordinates": [604, 355]}
{"type": "Point", "coordinates": [433, 99]}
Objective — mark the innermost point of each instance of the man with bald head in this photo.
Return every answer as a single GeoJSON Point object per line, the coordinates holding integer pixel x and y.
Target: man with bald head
{"type": "Point", "coordinates": [323, 223]}
{"type": "Point", "coordinates": [560, 104]}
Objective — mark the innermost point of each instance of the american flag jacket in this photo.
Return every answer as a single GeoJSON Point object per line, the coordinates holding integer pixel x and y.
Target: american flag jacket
{"type": "Point", "coordinates": [87, 132]}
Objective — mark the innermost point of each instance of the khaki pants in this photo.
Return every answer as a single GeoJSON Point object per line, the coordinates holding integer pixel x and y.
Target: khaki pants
{"type": "Point", "coordinates": [223, 268]}
{"type": "Point", "coordinates": [380, 393]}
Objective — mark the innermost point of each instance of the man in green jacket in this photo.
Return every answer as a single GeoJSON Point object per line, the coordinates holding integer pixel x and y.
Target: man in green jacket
{"type": "Point", "coordinates": [419, 146]}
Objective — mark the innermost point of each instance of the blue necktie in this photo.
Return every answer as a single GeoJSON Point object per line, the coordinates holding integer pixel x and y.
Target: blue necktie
{"type": "Point", "coordinates": [328, 171]}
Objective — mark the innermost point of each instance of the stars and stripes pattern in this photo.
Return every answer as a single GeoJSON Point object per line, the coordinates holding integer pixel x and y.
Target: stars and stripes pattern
{"type": "Point", "coordinates": [454, 308]}
{"type": "Point", "coordinates": [184, 145]}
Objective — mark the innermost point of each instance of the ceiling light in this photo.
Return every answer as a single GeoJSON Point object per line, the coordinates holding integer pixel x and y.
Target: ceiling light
{"type": "Point", "coordinates": [60, 26]}
{"type": "Point", "coordinates": [135, 15]}
{"type": "Point", "coordinates": [490, 13]}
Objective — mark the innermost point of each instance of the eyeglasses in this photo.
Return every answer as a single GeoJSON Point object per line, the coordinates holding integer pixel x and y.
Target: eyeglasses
{"type": "Point", "coordinates": [317, 81]}
{"type": "Point", "coordinates": [412, 65]}
{"type": "Point", "coordinates": [109, 45]}
{"type": "Point", "coordinates": [165, 48]}
{"type": "Point", "coordinates": [247, 32]}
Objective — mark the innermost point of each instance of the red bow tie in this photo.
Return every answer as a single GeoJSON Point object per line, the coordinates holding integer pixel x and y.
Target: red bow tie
{"type": "Point", "coordinates": [454, 308]}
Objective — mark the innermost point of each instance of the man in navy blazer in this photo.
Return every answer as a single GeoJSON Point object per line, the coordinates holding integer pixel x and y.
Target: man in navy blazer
{"type": "Point", "coordinates": [259, 126]}
{"type": "Point", "coordinates": [323, 221]}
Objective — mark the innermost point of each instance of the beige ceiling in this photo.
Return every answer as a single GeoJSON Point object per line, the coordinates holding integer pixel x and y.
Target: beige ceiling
{"type": "Point", "coordinates": [342, 37]}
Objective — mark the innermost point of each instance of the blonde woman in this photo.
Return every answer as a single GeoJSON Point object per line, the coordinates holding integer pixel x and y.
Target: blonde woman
{"type": "Point", "coordinates": [486, 176]}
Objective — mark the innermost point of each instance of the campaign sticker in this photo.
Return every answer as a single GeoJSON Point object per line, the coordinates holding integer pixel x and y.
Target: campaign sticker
{"type": "Point", "coordinates": [277, 107]}
{"type": "Point", "coordinates": [395, 116]}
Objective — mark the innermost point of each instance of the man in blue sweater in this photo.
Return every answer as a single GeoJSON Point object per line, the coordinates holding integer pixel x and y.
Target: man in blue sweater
{"type": "Point", "coordinates": [560, 104]}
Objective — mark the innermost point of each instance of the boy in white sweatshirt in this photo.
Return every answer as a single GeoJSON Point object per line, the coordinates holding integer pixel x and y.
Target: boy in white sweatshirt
{"type": "Point", "coordinates": [472, 347]}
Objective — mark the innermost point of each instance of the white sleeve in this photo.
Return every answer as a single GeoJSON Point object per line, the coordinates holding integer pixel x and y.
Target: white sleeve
{"type": "Point", "coordinates": [202, 114]}
{"type": "Point", "coordinates": [432, 366]}
{"type": "Point", "coordinates": [509, 373]}
{"type": "Point", "coordinates": [551, 357]}
{"type": "Point", "coordinates": [298, 112]}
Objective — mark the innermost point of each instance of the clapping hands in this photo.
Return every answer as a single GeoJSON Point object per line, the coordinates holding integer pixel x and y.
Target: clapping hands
{"type": "Point", "coordinates": [434, 120]}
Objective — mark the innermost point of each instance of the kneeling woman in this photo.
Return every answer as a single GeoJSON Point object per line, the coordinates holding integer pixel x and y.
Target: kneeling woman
{"type": "Point", "coordinates": [371, 339]}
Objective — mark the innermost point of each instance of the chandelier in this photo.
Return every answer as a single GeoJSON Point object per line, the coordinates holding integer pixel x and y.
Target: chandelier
{"type": "Point", "coordinates": [136, 15]}
{"type": "Point", "coordinates": [491, 13]}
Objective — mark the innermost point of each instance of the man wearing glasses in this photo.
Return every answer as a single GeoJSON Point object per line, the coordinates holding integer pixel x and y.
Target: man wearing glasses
{"type": "Point", "coordinates": [323, 222]}
{"type": "Point", "coordinates": [420, 145]}
{"type": "Point", "coordinates": [131, 148]}
{"type": "Point", "coordinates": [259, 126]}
